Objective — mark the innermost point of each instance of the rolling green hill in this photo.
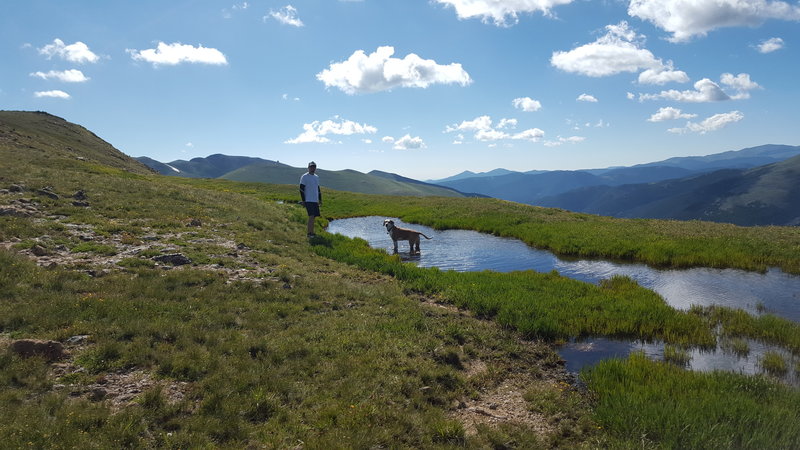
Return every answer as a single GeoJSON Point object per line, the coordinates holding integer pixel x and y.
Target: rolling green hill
{"type": "Point", "coordinates": [341, 180]}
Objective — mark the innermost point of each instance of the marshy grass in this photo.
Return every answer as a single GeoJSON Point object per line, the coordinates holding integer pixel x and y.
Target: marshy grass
{"type": "Point", "coordinates": [774, 363]}
{"type": "Point", "coordinates": [738, 346]}
{"type": "Point", "coordinates": [646, 403]}
{"type": "Point", "coordinates": [676, 355]}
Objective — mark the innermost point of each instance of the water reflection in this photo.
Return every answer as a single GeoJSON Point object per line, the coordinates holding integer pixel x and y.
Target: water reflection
{"type": "Point", "coordinates": [773, 292]}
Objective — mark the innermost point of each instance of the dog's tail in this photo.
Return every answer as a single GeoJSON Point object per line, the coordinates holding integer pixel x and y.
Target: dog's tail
{"type": "Point", "coordinates": [426, 237]}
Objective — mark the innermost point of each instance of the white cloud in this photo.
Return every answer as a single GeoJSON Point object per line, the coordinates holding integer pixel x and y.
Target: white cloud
{"type": "Point", "coordinates": [477, 124]}
{"type": "Point", "coordinates": [688, 18]}
{"type": "Point", "coordinates": [485, 131]}
{"type": "Point", "coordinates": [51, 94]}
{"type": "Point", "coordinates": [770, 45]}
{"type": "Point", "coordinates": [713, 123]}
{"type": "Point", "coordinates": [407, 143]}
{"type": "Point", "coordinates": [316, 132]}
{"type": "Point", "coordinates": [286, 15]}
{"type": "Point", "coordinates": [630, 96]}
{"type": "Point", "coordinates": [378, 71]}
{"type": "Point", "coordinates": [177, 53]}
{"type": "Point", "coordinates": [532, 134]}
{"type": "Point", "coordinates": [619, 50]}
{"type": "Point", "coordinates": [367, 141]}
{"type": "Point", "coordinates": [77, 52]}
{"type": "Point", "coordinates": [586, 98]}
{"type": "Point", "coordinates": [564, 140]}
{"type": "Point", "coordinates": [705, 91]}
{"type": "Point", "coordinates": [526, 104]}
{"type": "Point", "coordinates": [500, 12]}
{"type": "Point", "coordinates": [507, 123]}
{"type": "Point", "coordinates": [67, 76]}
{"type": "Point", "coordinates": [388, 139]}
{"type": "Point", "coordinates": [669, 113]}
{"type": "Point", "coordinates": [741, 83]}
{"type": "Point", "coordinates": [663, 75]}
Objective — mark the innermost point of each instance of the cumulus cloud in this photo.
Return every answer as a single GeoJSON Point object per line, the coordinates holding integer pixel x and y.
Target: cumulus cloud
{"type": "Point", "coordinates": [564, 140]}
{"type": "Point", "coordinates": [663, 76]}
{"type": "Point", "coordinates": [67, 76]}
{"type": "Point", "coordinates": [485, 131]}
{"type": "Point", "coordinates": [740, 83]}
{"type": "Point", "coordinates": [669, 113]}
{"type": "Point", "coordinates": [228, 13]}
{"type": "Point", "coordinates": [686, 19]}
{"type": "Point", "coordinates": [770, 45]}
{"type": "Point", "coordinates": [51, 94]}
{"type": "Point", "coordinates": [619, 50]}
{"type": "Point", "coordinates": [500, 12]}
{"type": "Point", "coordinates": [706, 90]}
{"type": "Point", "coordinates": [408, 143]}
{"type": "Point", "coordinates": [77, 52]}
{"type": "Point", "coordinates": [379, 71]}
{"type": "Point", "coordinates": [586, 98]}
{"type": "Point", "coordinates": [316, 131]}
{"type": "Point", "coordinates": [713, 123]}
{"type": "Point", "coordinates": [177, 53]}
{"type": "Point", "coordinates": [526, 104]}
{"type": "Point", "coordinates": [286, 15]}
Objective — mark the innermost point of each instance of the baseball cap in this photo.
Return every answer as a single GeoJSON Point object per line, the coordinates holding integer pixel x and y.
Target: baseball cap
{"type": "Point", "coordinates": [312, 163]}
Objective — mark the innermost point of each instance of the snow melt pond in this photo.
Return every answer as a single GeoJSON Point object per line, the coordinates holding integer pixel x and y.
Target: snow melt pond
{"type": "Point", "coordinates": [773, 292]}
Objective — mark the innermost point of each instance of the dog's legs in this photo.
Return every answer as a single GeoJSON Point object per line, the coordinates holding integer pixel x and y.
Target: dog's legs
{"type": "Point", "coordinates": [395, 246]}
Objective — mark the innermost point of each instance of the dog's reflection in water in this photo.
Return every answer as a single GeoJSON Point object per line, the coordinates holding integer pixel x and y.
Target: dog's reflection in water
{"type": "Point", "coordinates": [403, 234]}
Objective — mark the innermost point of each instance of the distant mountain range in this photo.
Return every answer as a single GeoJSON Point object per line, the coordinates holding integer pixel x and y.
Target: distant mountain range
{"type": "Point", "coordinates": [765, 195]}
{"type": "Point", "coordinates": [242, 168]}
{"type": "Point", "coordinates": [676, 188]}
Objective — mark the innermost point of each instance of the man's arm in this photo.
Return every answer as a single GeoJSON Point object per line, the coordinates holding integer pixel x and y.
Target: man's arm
{"type": "Point", "coordinates": [319, 195]}
{"type": "Point", "coordinates": [303, 193]}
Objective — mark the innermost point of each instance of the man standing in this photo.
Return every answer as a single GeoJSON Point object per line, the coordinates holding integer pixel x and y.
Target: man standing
{"type": "Point", "coordinates": [311, 195]}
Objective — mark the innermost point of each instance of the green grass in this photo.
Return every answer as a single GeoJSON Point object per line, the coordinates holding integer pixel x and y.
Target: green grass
{"type": "Point", "coordinates": [645, 403]}
{"type": "Point", "coordinates": [774, 364]}
{"type": "Point", "coordinates": [331, 346]}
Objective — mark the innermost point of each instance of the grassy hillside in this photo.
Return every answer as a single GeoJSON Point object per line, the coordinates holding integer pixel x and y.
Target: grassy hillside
{"type": "Point", "coordinates": [35, 137]}
{"type": "Point", "coordinates": [262, 338]}
{"type": "Point", "coordinates": [342, 180]}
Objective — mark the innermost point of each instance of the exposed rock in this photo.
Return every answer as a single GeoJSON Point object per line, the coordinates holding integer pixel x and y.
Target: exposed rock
{"type": "Point", "coordinates": [38, 250]}
{"type": "Point", "coordinates": [16, 188]}
{"type": "Point", "coordinates": [176, 259]}
{"type": "Point", "coordinates": [80, 204]}
{"type": "Point", "coordinates": [48, 193]}
{"type": "Point", "coordinates": [4, 191]}
{"type": "Point", "coordinates": [194, 223]}
{"type": "Point", "coordinates": [80, 195]}
{"type": "Point", "coordinates": [51, 350]}
{"type": "Point", "coordinates": [77, 340]}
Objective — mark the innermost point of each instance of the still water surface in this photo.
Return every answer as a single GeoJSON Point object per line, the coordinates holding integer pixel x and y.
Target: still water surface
{"type": "Point", "coordinates": [773, 292]}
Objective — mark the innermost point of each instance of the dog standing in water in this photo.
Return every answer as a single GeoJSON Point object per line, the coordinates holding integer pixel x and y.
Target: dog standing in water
{"type": "Point", "coordinates": [403, 234]}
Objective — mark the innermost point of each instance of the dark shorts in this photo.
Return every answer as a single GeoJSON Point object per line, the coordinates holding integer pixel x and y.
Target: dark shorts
{"type": "Point", "coordinates": [313, 209]}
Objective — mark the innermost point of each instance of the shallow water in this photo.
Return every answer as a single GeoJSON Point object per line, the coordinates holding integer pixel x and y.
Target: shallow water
{"type": "Point", "coordinates": [773, 292]}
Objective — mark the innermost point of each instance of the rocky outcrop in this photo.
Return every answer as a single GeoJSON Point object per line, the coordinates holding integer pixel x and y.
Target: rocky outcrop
{"type": "Point", "coordinates": [26, 348]}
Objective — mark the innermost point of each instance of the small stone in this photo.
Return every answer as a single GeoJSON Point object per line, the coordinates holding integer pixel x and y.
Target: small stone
{"type": "Point", "coordinates": [195, 223]}
{"type": "Point", "coordinates": [80, 195]}
{"type": "Point", "coordinates": [16, 188]}
{"type": "Point", "coordinates": [176, 259]}
{"type": "Point", "coordinates": [80, 204]}
{"type": "Point", "coordinates": [79, 339]}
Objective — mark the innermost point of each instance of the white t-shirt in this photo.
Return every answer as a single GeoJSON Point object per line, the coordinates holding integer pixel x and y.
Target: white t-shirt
{"type": "Point", "coordinates": [311, 182]}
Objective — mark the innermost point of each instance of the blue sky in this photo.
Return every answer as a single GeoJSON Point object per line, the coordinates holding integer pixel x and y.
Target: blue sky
{"type": "Point", "coordinates": [422, 88]}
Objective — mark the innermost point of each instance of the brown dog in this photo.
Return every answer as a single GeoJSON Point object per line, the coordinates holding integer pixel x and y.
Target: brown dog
{"type": "Point", "coordinates": [403, 234]}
